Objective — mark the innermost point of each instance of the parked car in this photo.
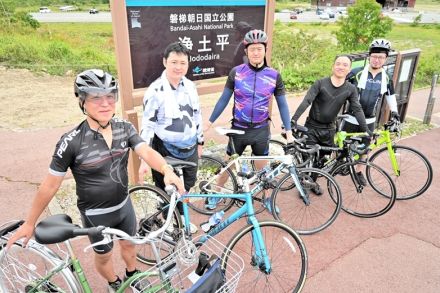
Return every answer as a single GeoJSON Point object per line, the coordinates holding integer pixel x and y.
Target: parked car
{"type": "Point", "coordinates": [93, 11]}
{"type": "Point", "coordinates": [298, 10]}
{"type": "Point", "coordinates": [45, 10]}
{"type": "Point", "coordinates": [293, 15]}
{"type": "Point", "coordinates": [324, 16]}
{"type": "Point", "coordinates": [319, 11]}
{"type": "Point", "coordinates": [330, 13]}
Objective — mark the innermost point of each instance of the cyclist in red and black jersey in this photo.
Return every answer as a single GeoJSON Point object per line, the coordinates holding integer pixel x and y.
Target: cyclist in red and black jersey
{"type": "Point", "coordinates": [96, 152]}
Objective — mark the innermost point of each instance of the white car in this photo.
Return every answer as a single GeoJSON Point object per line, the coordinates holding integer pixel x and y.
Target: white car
{"type": "Point", "coordinates": [45, 10]}
{"type": "Point", "coordinates": [324, 16]}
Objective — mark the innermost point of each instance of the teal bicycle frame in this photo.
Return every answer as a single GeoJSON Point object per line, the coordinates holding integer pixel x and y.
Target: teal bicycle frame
{"type": "Point", "coordinates": [247, 209]}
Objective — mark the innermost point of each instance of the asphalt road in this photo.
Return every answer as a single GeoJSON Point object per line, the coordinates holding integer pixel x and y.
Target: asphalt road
{"type": "Point", "coordinates": [307, 16]}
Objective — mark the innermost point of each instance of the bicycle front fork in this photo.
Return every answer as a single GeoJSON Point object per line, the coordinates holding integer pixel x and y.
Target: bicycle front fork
{"type": "Point", "coordinates": [260, 258]}
{"type": "Point", "coordinates": [304, 195]}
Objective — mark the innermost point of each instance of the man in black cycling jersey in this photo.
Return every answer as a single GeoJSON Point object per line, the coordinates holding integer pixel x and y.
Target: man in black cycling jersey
{"type": "Point", "coordinates": [97, 151]}
{"type": "Point", "coordinates": [327, 97]}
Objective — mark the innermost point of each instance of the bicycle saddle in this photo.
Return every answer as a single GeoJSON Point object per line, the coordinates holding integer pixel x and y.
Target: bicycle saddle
{"type": "Point", "coordinates": [55, 229]}
{"type": "Point", "coordinates": [228, 131]}
{"type": "Point", "coordinates": [177, 163]}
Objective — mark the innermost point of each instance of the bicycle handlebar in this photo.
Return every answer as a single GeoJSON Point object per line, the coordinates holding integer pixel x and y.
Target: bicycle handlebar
{"type": "Point", "coordinates": [59, 228]}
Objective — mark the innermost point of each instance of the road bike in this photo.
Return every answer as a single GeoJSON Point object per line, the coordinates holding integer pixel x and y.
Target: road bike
{"type": "Point", "coordinates": [409, 169]}
{"type": "Point", "coordinates": [306, 199]}
{"type": "Point", "coordinates": [367, 190]}
{"type": "Point", "coordinates": [274, 255]}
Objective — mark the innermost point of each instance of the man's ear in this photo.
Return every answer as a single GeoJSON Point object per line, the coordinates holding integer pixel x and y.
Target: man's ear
{"type": "Point", "coordinates": [164, 61]}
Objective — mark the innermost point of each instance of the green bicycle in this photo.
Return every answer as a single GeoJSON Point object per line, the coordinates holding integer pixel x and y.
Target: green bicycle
{"type": "Point", "coordinates": [410, 170]}
{"type": "Point", "coordinates": [37, 268]}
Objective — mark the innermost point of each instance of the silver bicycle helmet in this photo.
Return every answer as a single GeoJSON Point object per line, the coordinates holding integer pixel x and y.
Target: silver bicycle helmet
{"type": "Point", "coordinates": [93, 81]}
{"type": "Point", "coordinates": [255, 37]}
{"type": "Point", "coordinates": [380, 46]}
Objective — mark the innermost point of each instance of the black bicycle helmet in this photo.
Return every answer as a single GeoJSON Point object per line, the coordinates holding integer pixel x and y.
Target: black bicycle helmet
{"type": "Point", "coordinates": [380, 46]}
{"type": "Point", "coordinates": [255, 37]}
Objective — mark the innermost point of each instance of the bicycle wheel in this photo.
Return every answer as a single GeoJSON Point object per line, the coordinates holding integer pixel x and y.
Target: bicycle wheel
{"type": "Point", "coordinates": [365, 198]}
{"type": "Point", "coordinates": [208, 168]}
{"type": "Point", "coordinates": [148, 202]}
{"type": "Point", "coordinates": [316, 211]}
{"type": "Point", "coordinates": [415, 172]}
{"type": "Point", "coordinates": [24, 269]}
{"type": "Point", "coordinates": [286, 252]}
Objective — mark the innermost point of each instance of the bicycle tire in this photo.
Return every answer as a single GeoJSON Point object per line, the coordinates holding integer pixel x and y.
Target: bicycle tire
{"type": "Point", "coordinates": [289, 270]}
{"type": "Point", "coordinates": [23, 268]}
{"type": "Point", "coordinates": [410, 162]}
{"type": "Point", "coordinates": [148, 202]}
{"type": "Point", "coordinates": [208, 167]}
{"type": "Point", "coordinates": [365, 201]}
{"type": "Point", "coordinates": [322, 210]}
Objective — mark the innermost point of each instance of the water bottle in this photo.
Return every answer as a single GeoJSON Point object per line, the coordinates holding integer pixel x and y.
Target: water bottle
{"type": "Point", "coordinates": [213, 221]}
{"type": "Point", "coordinates": [244, 168]}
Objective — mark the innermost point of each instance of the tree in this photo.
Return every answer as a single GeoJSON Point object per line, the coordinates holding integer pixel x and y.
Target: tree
{"type": "Point", "coordinates": [364, 22]}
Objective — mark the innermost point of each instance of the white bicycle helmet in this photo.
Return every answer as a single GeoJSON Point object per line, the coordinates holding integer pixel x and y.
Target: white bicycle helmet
{"type": "Point", "coordinates": [380, 46]}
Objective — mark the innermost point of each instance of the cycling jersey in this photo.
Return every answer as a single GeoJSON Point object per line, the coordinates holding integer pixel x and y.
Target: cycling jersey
{"type": "Point", "coordinates": [100, 173]}
{"type": "Point", "coordinates": [370, 96]}
{"type": "Point", "coordinates": [253, 89]}
{"type": "Point", "coordinates": [327, 100]}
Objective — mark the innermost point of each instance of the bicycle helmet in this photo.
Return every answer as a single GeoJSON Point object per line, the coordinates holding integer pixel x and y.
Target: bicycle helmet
{"type": "Point", "coordinates": [255, 37]}
{"type": "Point", "coordinates": [93, 81]}
{"type": "Point", "coordinates": [380, 46]}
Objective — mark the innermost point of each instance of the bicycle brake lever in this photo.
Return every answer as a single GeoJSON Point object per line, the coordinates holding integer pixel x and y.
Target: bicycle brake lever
{"type": "Point", "coordinates": [107, 239]}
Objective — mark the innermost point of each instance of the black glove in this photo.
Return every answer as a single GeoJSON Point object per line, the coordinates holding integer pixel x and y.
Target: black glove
{"type": "Point", "coordinates": [395, 116]}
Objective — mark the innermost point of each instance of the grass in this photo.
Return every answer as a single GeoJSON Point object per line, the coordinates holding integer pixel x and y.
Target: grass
{"type": "Point", "coordinates": [59, 48]}
{"type": "Point", "coordinates": [413, 126]}
{"type": "Point", "coordinates": [290, 5]}
{"type": "Point", "coordinates": [427, 5]}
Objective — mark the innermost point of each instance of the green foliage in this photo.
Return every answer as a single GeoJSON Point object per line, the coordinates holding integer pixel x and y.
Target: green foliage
{"type": "Point", "coordinates": [26, 20]}
{"type": "Point", "coordinates": [58, 48]}
{"type": "Point", "coordinates": [301, 58]}
{"type": "Point", "coordinates": [417, 20]}
{"type": "Point", "coordinates": [363, 23]}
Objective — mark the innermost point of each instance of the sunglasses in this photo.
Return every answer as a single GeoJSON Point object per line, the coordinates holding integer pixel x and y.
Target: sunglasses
{"type": "Point", "coordinates": [99, 99]}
